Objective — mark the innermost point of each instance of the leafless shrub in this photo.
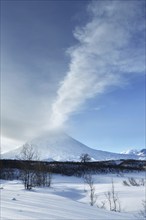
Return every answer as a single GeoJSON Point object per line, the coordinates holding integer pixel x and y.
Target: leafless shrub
{"type": "Point", "coordinates": [133, 182]}
{"type": "Point", "coordinates": [125, 183]}
{"type": "Point", "coordinates": [89, 180]}
{"type": "Point", "coordinates": [49, 179]}
{"type": "Point", "coordinates": [142, 182]}
{"type": "Point", "coordinates": [43, 176]}
{"type": "Point", "coordinates": [113, 199]}
{"type": "Point", "coordinates": [7, 174]}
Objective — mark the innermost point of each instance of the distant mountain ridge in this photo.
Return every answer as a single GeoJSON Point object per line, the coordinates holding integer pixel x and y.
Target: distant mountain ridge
{"type": "Point", "coordinates": [59, 146]}
{"type": "Point", "coordinates": [139, 153]}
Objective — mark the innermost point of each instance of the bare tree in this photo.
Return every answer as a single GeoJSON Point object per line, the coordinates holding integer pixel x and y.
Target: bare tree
{"type": "Point", "coordinates": [113, 199]}
{"type": "Point", "coordinates": [85, 158]}
{"type": "Point", "coordinates": [27, 154]}
{"type": "Point", "coordinates": [109, 199]}
{"type": "Point", "coordinates": [89, 180]}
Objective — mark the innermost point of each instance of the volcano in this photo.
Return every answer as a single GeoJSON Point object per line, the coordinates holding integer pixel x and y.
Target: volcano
{"type": "Point", "coordinates": [59, 146]}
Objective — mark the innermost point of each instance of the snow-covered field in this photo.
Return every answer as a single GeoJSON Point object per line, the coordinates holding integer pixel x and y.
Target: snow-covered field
{"type": "Point", "coordinates": [68, 198]}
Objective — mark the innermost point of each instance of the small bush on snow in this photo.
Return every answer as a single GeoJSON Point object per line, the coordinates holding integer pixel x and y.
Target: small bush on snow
{"type": "Point", "coordinates": [133, 182]}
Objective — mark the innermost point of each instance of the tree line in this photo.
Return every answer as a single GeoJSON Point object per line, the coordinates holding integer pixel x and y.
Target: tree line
{"type": "Point", "coordinates": [34, 172]}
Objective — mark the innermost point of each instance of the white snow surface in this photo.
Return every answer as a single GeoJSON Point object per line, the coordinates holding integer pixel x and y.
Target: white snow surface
{"type": "Point", "coordinates": [59, 146]}
{"type": "Point", "coordinates": [68, 199]}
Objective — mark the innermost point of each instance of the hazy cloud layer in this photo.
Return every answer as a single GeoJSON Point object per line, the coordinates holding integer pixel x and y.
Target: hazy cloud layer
{"type": "Point", "coordinates": [110, 46]}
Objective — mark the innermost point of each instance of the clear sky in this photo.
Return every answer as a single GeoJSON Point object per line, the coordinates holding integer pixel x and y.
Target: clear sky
{"type": "Point", "coordinates": [74, 65]}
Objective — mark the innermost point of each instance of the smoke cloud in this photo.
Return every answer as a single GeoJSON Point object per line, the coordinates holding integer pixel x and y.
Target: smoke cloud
{"type": "Point", "coordinates": [110, 47]}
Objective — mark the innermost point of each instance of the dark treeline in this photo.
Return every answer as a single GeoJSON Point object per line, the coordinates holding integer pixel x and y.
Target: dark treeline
{"type": "Point", "coordinates": [11, 168]}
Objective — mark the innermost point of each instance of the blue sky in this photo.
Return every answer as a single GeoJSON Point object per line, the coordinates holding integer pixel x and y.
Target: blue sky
{"type": "Point", "coordinates": [77, 66]}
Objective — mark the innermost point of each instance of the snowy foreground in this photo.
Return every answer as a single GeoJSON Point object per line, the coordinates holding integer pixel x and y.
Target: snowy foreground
{"type": "Point", "coordinates": [68, 198]}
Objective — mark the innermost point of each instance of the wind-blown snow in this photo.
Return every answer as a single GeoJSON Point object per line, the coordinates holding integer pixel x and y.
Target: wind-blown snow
{"type": "Point", "coordinates": [61, 147]}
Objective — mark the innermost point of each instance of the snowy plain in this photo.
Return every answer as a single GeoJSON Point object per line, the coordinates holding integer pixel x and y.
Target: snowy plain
{"type": "Point", "coordinates": [68, 199]}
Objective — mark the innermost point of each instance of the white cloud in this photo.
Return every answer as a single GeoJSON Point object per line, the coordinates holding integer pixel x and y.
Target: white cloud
{"type": "Point", "coordinates": [110, 45]}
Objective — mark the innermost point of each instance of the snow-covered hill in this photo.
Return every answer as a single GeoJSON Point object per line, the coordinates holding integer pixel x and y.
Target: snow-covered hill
{"type": "Point", "coordinates": [140, 153]}
{"type": "Point", "coordinates": [61, 147]}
